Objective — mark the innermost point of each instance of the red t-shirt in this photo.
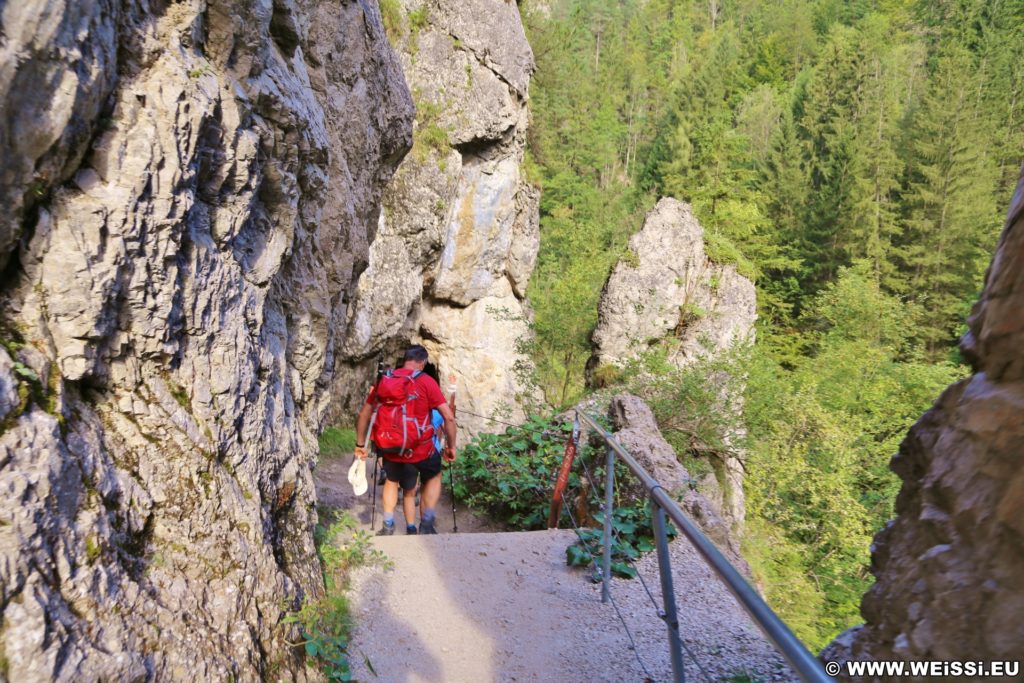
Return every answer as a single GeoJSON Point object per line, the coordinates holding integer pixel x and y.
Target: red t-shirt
{"type": "Point", "coordinates": [429, 396]}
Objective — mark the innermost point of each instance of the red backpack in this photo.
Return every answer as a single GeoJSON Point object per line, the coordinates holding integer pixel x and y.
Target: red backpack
{"type": "Point", "coordinates": [396, 431]}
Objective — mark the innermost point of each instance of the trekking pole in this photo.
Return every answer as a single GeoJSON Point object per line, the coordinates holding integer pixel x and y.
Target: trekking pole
{"type": "Point", "coordinates": [452, 386]}
{"type": "Point", "coordinates": [373, 503]}
{"type": "Point", "coordinates": [373, 449]}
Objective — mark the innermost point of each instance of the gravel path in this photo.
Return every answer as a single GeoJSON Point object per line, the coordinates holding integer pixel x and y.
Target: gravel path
{"type": "Point", "coordinates": [482, 605]}
{"type": "Point", "coordinates": [504, 607]}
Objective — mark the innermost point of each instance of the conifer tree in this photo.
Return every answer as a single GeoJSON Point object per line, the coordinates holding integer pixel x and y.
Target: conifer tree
{"type": "Point", "coordinates": [952, 218]}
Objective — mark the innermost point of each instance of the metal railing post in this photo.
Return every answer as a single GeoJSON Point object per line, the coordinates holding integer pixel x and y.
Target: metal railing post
{"type": "Point", "coordinates": [609, 493]}
{"type": "Point", "coordinates": [668, 595]}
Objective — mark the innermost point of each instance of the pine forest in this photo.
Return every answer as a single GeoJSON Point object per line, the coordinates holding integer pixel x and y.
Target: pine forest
{"type": "Point", "coordinates": [854, 158]}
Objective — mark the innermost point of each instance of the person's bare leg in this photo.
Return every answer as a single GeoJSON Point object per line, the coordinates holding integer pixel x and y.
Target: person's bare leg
{"type": "Point", "coordinates": [430, 494]}
{"type": "Point", "coordinates": [409, 505]}
{"type": "Point", "coordinates": [390, 497]}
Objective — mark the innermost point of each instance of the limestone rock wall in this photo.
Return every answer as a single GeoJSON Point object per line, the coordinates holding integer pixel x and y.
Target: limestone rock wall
{"type": "Point", "coordinates": [637, 430]}
{"type": "Point", "coordinates": [668, 290]}
{"type": "Point", "coordinates": [950, 568]}
{"type": "Point", "coordinates": [190, 190]}
{"type": "Point", "coordinates": [459, 234]}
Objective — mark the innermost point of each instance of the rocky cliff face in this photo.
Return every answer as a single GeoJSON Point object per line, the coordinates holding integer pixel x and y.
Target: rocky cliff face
{"type": "Point", "coordinates": [950, 567]}
{"type": "Point", "coordinates": [459, 234]}
{"type": "Point", "coordinates": [637, 430]}
{"type": "Point", "coordinates": [190, 190]}
{"type": "Point", "coordinates": [668, 288]}
{"type": "Point", "coordinates": [667, 291]}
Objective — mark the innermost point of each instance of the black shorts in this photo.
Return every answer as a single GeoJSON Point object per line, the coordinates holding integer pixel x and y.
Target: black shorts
{"type": "Point", "coordinates": [405, 472]}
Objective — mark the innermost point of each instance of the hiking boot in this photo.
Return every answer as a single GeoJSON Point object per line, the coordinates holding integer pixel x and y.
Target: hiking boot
{"type": "Point", "coordinates": [427, 528]}
{"type": "Point", "coordinates": [387, 530]}
{"type": "Point", "coordinates": [410, 530]}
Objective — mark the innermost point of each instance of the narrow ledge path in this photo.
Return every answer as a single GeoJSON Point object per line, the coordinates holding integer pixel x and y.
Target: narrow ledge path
{"type": "Point", "coordinates": [476, 607]}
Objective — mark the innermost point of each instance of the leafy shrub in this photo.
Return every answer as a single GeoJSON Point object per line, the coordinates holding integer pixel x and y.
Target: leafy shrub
{"type": "Point", "coordinates": [605, 375]}
{"type": "Point", "coordinates": [632, 534]}
{"type": "Point", "coordinates": [722, 250]}
{"type": "Point", "coordinates": [511, 475]}
{"type": "Point", "coordinates": [335, 441]}
{"type": "Point", "coordinates": [326, 624]}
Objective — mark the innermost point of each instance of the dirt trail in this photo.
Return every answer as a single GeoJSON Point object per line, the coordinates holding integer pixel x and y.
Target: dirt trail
{"type": "Point", "coordinates": [483, 605]}
{"type": "Point", "coordinates": [505, 607]}
{"type": "Point", "coordinates": [334, 491]}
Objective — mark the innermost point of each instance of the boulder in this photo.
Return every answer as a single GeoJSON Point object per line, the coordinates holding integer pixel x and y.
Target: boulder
{"type": "Point", "coordinates": [667, 291]}
{"type": "Point", "coordinates": [636, 429]}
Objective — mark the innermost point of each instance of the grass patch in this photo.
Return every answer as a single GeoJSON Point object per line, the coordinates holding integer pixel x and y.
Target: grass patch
{"type": "Point", "coordinates": [326, 624]}
{"type": "Point", "coordinates": [418, 20]}
{"type": "Point", "coordinates": [391, 13]}
{"type": "Point", "coordinates": [180, 395]}
{"type": "Point", "coordinates": [429, 134]}
{"type": "Point", "coordinates": [335, 441]}
{"type": "Point", "coordinates": [721, 250]}
{"type": "Point", "coordinates": [605, 375]}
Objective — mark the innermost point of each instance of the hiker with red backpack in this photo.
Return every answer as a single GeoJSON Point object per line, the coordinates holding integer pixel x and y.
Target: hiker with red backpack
{"type": "Point", "coordinates": [399, 407]}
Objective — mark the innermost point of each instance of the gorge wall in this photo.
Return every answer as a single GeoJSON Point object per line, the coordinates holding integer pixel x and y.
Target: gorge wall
{"type": "Point", "coordinates": [190, 190]}
{"type": "Point", "coordinates": [950, 568]}
{"type": "Point", "coordinates": [458, 237]}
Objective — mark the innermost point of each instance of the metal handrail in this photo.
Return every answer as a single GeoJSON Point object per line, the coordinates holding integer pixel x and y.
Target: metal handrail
{"type": "Point", "coordinates": [803, 662]}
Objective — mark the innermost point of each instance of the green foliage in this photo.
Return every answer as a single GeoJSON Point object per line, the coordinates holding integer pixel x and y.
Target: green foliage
{"type": "Point", "coordinates": [532, 172]}
{"type": "Point", "coordinates": [851, 157]}
{"type": "Point", "coordinates": [818, 436]}
{"type": "Point", "coordinates": [821, 435]}
{"type": "Point", "coordinates": [92, 549]}
{"type": "Point", "coordinates": [418, 20]}
{"type": "Point", "coordinates": [391, 13]}
{"type": "Point", "coordinates": [510, 475]}
{"type": "Point", "coordinates": [341, 548]}
{"type": "Point", "coordinates": [428, 135]}
{"type": "Point", "coordinates": [326, 624]}
{"type": "Point", "coordinates": [720, 249]}
{"type": "Point", "coordinates": [335, 441]}
{"type": "Point", "coordinates": [632, 535]}
{"type": "Point", "coordinates": [605, 375]}
{"type": "Point", "coordinates": [180, 394]}
{"type": "Point", "coordinates": [806, 134]}
{"type": "Point", "coordinates": [697, 407]}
